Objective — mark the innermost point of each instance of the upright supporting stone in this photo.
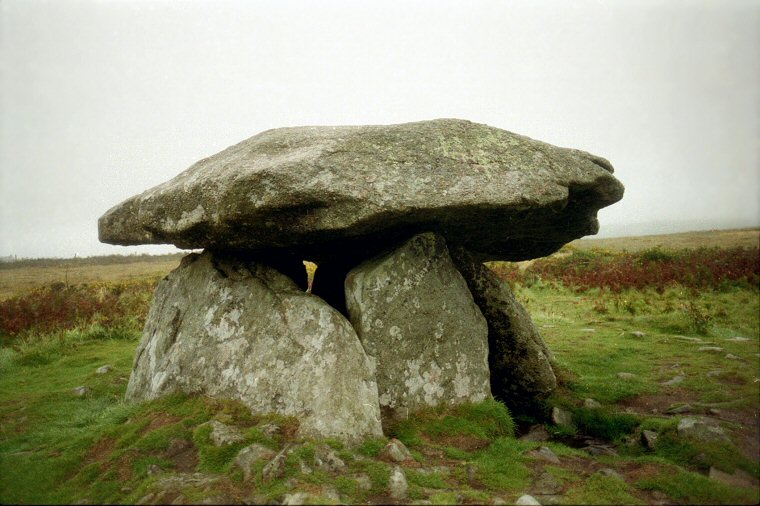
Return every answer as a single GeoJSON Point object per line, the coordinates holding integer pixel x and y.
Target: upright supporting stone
{"type": "Point", "coordinates": [417, 320]}
{"type": "Point", "coordinates": [233, 329]}
{"type": "Point", "coordinates": [520, 362]}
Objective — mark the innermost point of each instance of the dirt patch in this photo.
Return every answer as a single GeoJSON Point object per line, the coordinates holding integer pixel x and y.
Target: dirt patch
{"type": "Point", "coordinates": [658, 403]}
{"type": "Point", "coordinates": [745, 435]}
{"type": "Point", "coordinates": [183, 455]}
{"type": "Point", "coordinates": [100, 451]}
{"type": "Point", "coordinates": [466, 443]}
{"type": "Point", "coordinates": [160, 420]}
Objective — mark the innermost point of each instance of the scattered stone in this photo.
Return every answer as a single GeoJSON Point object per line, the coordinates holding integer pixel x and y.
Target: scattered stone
{"type": "Point", "coordinates": [364, 481]}
{"type": "Point", "coordinates": [687, 338]}
{"type": "Point", "coordinates": [418, 322]}
{"type": "Point", "coordinates": [296, 499]}
{"type": "Point", "coordinates": [314, 189]}
{"type": "Point", "coordinates": [678, 409]}
{"type": "Point", "coordinates": [626, 375]}
{"type": "Point", "coordinates": [397, 485]}
{"type": "Point", "coordinates": [104, 369]}
{"type": "Point", "coordinates": [546, 484]}
{"type": "Point", "coordinates": [304, 467]}
{"type": "Point", "coordinates": [233, 328]}
{"type": "Point", "coordinates": [330, 493]}
{"type": "Point", "coordinates": [739, 478]}
{"type": "Point", "coordinates": [546, 326]}
{"type": "Point", "coordinates": [561, 417]}
{"type": "Point", "coordinates": [715, 412]}
{"type": "Point", "coordinates": [738, 339]}
{"type": "Point", "coordinates": [249, 456]}
{"type": "Point", "coordinates": [637, 333]}
{"type": "Point", "coordinates": [81, 391]}
{"type": "Point", "coordinates": [536, 433]}
{"type": "Point", "coordinates": [649, 439]}
{"type": "Point", "coordinates": [519, 361]}
{"type": "Point", "coordinates": [544, 453]}
{"type": "Point", "coordinates": [270, 429]}
{"type": "Point", "coordinates": [731, 356]}
{"type": "Point", "coordinates": [498, 501]}
{"type": "Point", "coordinates": [527, 500]}
{"type": "Point", "coordinates": [702, 430]}
{"type": "Point", "coordinates": [676, 380]}
{"type": "Point", "coordinates": [326, 459]}
{"type": "Point", "coordinates": [153, 469]}
{"type": "Point", "coordinates": [591, 404]}
{"type": "Point", "coordinates": [710, 349]}
{"type": "Point", "coordinates": [713, 373]}
{"type": "Point", "coordinates": [395, 451]}
{"type": "Point", "coordinates": [600, 450]}
{"type": "Point", "coordinates": [471, 471]}
{"type": "Point", "coordinates": [587, 330]}
{"type": "Point", "coordinates": [223, 434]}
{"type": "Point", "coordinates": [610, 473]}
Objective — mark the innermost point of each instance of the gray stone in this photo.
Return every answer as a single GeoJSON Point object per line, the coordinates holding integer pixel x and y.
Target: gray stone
{"type": "Point", "coordinates": [364, 481]}
{"type": "Point", "coordinates": [710, 349]}
{"type": "Point", "coordinates": [545, 453]}
{"type": "Point", "coordinates": [649, 439]}
{"type": "Point", "coordinates": [599, 450]}
{"type": "Point", "coordinates": [626, 375]}
{"type": "Point", "coordinates": [296, 499]}
{"type": "Point", "coordinates": [395, 451]}
{"type": "Point", "coordinates": [702, 430]}
{"type": "Point", "coordinates": [713, 373]}
{"type": "Point", "coordinates": [397, 485]}
{"type": "Point", "coordinates": [230, 328]}
{"type": "Point", "coordinates": [637, 333]}
{"type": "Point", "coordinates": [249, 455]}
{"type": "Point", "coordinates": [591, 404]}
{"type": "Point", "coordinates": [678, 409]}
{"type": "Point", "coordinates": [153, 469]}
{"type": "Point", "coordinates": [520, 362]}
{"type": "Point", "coordinates": [81, 391]}
{"type": "Point", "coordinates": [690, 339]}
{"type": "Point", "coordinates": [527, 500]}
{"type": "Point", "coordinates": [223, 434]}
{"type": "Point", "coordinates": [326, 459]}
{"type": "Point", "coordinates": [674, 381]}
{"type": "Point", "coordinates": [420, 326]}
{"type": "Point", "coordinates": [731, 356]}
{"type": "Point", "coordinates": [104, 369]}
{"type": "Point", "coordinates": [546, 484]}
{"type": "Point", "coordinates": [561, 417]}
{"type": "Point", "coordinates": [738, 339]}
{"type": "Point", "coordinates": [316, 188]}
{"type": "Point", "coordinates": [610, 473]}
{"type": "Point", "coordinates": [588, 330]}
{"type": "Point", "coordinates": [536, 433]}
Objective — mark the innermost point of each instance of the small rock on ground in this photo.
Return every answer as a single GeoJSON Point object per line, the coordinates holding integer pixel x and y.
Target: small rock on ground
{"type": "Point", "coordinates": [327, 459]}
{"type": "Point", "coordinates": [536, 433]}
{"type": "Point", "coordinates": [561, 417]}
{"type": "Point", "coordinates": [737, 339]}
{"type": "Point", "coordinates": [250, 455]}
{"type": "Point", "coordinates": [701, 430]}
{"type": "Point", "coordinates": [544, 453]}
{"type": "Point", "coordinates": [710, 349]}
{"type": "Point", "coordinates": [678, 409]}
{"type": "Point", "coordinates": [395, 451]}
{"type": "Point", "coordinates": [546, 484]}
{"type": "Point", "coordinates": [223, 434]}
{"type": "Point", "coordinates": [591, 403]}
{"type": "Point", "coordinates": [626, 375]}
{"type": "Point", "coordinates": [527, 500]}
{"type": "Point", "coordinates": [611, 473]}
{"type": "Point", "coordinates": [276, 467]}
{"type": "Point", "coordinates": [104, 369]}
{"type": "Point", "coordinates": [649, 438]}
{"type": "Point", "coordinates": [397, 485]}
{"type": "Point", "coordinates": [81, 391]}
{"type": "Point", "coordinates": [676, 380]}
{"type": "Point", "coordinates": [739, 478]}
{"type": "Point", "coordinates": [637, 333]}
{"type": "Point", "coordinates": [731, 356]}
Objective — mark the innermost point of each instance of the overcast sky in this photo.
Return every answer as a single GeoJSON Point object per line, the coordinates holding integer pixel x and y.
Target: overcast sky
{"type": "Point", "coordinates": [104, 99]}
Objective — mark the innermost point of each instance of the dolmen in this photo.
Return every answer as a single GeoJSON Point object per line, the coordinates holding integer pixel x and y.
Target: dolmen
{"type": "Point", "coordinates": [403, 313]}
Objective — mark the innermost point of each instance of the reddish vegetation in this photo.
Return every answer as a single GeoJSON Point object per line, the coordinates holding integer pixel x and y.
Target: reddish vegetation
{"type": "Point", "coordinates": [705, 268]}
{"type": "Point", "coordinates": [58, 307]}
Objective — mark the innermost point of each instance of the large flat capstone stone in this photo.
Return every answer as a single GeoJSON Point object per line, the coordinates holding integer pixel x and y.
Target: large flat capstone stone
{"type": "Point", "coordinates": [420, 326]}
{"type": "Point", "coordinates": [234, 329]}
{"type": "Point", "coordinates": [322, 191]}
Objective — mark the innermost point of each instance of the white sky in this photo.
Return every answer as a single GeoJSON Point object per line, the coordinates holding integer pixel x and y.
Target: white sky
{"type": "Point", "coordinates": [102, 100]}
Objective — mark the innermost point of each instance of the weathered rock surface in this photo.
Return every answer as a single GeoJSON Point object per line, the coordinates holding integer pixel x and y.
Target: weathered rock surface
{"type": "Point", "coordinates": [418, 322]}
{"type": "Point", "coordinates": [235, 329]}
{"type": "Point", "coordinates": [519, 361]}
{"type": "Point", "coordinates": [321, 189]}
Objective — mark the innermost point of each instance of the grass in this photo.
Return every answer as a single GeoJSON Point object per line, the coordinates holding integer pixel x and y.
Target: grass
{"type": "Point", "coordinates": [57, 447]}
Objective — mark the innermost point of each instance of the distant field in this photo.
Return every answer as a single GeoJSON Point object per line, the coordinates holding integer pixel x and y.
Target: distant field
{"type": "Point", "coordinates": [28, 274]}
{"type": "Point", "coordinates": [748, 238]}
